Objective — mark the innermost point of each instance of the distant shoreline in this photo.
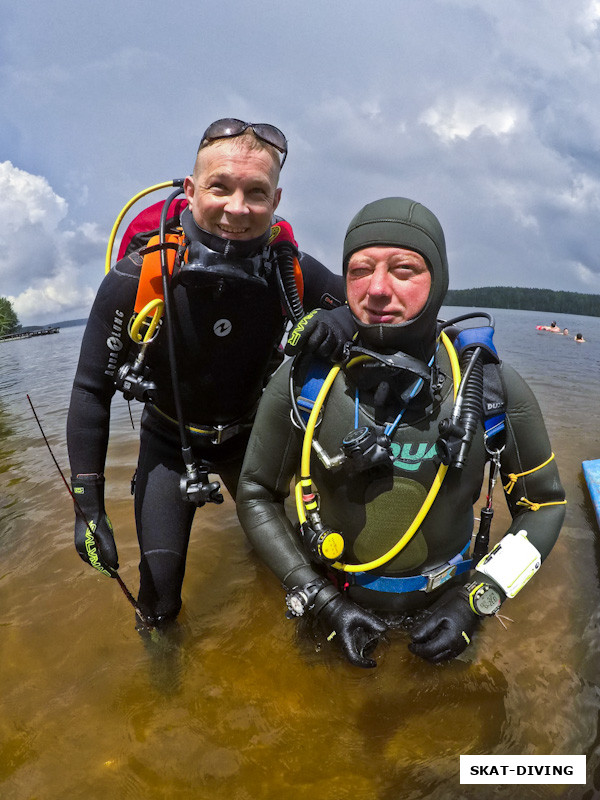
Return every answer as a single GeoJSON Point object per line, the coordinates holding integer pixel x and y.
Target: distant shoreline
{"type": "Point", "coordinates": [11, 337]}
{"type": "Point", "coordinates": [517, 298]}
{"type": "Point", "coordinates": [69, 323]}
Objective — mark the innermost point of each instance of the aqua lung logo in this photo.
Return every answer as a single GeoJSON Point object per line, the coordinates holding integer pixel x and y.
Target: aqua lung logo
{"type": "Point", "coordinates": [409, 457]}
{"type": "Point", "coordinates": [222, 327]}
{"type": "Point", "coordinates": [114, 343]}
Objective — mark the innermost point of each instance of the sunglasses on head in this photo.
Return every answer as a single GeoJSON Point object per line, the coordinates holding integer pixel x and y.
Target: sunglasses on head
{"type": "Point", "coordinates": [230, 127]}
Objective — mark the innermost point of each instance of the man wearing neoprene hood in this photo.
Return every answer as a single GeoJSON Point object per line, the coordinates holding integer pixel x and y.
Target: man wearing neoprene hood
{"type": "Point", "coordinates": [389, 456]}
{"type": "Point", "coordinates": [204, 371]}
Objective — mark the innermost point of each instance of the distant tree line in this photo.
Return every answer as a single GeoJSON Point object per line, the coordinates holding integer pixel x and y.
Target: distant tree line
{"type": "Point", "coordinates": [9, 322]}
{"type": "Point", "coordinates": [587, 305]}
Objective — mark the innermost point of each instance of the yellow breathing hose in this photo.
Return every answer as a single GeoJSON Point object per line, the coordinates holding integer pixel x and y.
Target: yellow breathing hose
{"type": "Point", "coordinates": [305, 481]}
{"type": "Point", "coordinates": [124, 210]}
{"type": "Point", "coordinates": [310, 430]}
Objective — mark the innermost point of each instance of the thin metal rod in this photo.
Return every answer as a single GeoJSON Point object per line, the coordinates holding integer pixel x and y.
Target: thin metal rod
{"type": "Point", "coordinates": [142, 617]}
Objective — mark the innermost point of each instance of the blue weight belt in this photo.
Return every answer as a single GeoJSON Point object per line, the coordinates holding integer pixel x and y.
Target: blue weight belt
{"type": "Point", "coordinates": [414, 583]}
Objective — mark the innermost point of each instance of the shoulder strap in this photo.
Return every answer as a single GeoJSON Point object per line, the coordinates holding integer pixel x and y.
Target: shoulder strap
{"type": "Point", "coordinates": [494, 395]}
{"type": "Point", "coordinates": [150, 283]}
{"type": "Point", "coordinates": [315, 377]}
{"type": "Point", "coordinates": [494, 400]}
{"type": "Point", "coordinates": [145, 226]}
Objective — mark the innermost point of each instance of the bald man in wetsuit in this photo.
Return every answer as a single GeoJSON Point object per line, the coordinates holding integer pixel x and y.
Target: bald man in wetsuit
{"type": "Point", "coordinates": [227, 324]}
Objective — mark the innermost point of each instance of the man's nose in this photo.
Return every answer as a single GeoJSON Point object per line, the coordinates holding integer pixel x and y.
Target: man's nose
{"type": "Point", "coordinates": [236, 203]}
{"type": "Point", "coordinates": [380, 282]}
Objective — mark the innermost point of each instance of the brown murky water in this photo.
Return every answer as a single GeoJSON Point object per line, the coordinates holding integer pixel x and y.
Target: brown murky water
{"type": "Point", "coordinates": [243, 705]}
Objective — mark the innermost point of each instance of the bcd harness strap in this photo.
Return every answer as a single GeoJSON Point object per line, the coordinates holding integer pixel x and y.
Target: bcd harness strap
{"type": "Point", "coordinates": [317, 372]}
{"type": "Point", "coordinates": [150, 283]}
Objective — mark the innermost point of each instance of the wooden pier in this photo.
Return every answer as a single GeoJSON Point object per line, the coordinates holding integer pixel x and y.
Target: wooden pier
{"type": "Point", "coordinates": [28, 334]}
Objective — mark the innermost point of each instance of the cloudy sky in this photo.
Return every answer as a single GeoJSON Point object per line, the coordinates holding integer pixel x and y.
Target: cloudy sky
{"type": "Point", "coordinates": [486, 110]}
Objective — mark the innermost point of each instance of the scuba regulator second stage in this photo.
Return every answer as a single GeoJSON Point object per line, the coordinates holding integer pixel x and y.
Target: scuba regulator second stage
{"type": "Point", "coordinates": [364, 448]}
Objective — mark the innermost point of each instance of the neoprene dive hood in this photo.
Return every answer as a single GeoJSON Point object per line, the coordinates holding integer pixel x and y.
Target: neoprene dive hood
{"type": "Point", "coordinates": [401, 222]}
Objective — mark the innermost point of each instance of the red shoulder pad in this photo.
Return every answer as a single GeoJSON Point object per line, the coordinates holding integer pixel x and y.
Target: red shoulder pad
{"type": "Point", "coordinates": [282, 233]}
{"type": "Point", "coordinates": [147, 223]}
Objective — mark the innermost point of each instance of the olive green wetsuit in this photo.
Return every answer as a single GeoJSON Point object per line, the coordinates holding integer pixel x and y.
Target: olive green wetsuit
{"type": "Point", "coordinates": [374, 509]}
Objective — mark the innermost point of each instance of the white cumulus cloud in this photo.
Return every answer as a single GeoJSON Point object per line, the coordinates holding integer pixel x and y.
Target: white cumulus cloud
{"type": "Point", "coordinates": [466, 115]}
{"type": "Point", "coordinates": [43, 261]}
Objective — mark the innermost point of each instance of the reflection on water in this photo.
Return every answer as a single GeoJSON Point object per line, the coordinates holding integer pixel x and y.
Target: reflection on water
{"type": "Point", "coordinates": [240, 702]}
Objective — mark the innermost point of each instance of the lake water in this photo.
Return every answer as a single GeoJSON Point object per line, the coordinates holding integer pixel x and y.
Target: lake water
{"type": "Point", "coordinates": [243, 705]}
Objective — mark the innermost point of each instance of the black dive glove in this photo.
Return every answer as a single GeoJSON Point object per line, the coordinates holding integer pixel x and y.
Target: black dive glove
{"type": "Point", "coordinates": [447, 629]}
{"type": "Point", "coordinates": [96, 547]}
{"type": "Point", "coordinates": [357, 630]}
{"type": "Point", "coordinates": [322, 332]}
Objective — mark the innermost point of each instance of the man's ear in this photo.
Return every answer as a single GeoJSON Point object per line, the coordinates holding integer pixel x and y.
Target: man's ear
{"type": "Point", "coordinates": [188, 188]}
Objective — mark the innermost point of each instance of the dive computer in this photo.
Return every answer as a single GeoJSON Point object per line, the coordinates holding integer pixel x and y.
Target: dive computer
{"type": "Point", "coordinates": [484, 599]}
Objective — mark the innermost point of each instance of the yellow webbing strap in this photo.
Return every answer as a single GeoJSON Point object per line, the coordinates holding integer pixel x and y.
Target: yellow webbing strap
{"type": "Point", "coordinates": [536, 506]}
{"type": "Point", "coordinates": [514, 476]}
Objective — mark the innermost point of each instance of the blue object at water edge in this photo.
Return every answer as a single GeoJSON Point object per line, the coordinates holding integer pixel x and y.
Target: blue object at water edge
{"type": "Point", "coordinates": [591, 472]}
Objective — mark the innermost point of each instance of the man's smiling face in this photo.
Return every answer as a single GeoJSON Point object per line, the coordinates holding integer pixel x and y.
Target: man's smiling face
{"type": "Point", "coordinates": [233, 192]}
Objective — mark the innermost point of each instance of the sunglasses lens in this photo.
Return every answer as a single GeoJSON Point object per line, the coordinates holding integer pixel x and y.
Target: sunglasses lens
{"type": "Point", "coordinates": [223, 128]}
{"type": "Point", "coordinates": [272, 135]}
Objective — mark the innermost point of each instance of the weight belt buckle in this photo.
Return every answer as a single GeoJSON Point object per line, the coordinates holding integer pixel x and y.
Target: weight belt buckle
{"type": "Point", "coordinates": [439, 576]}
{"type": "Point", "coordinates": [222, 432]}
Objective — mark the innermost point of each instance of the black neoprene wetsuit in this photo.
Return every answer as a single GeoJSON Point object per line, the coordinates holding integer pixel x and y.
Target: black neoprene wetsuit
{"type": "Point", "coordinates": [226, 340]}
